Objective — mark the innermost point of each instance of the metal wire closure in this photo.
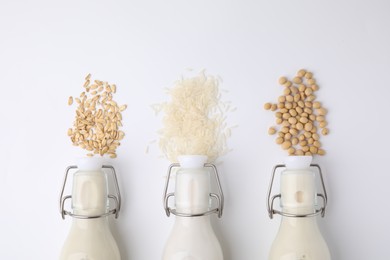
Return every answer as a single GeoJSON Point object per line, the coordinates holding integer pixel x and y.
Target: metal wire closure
{"type": "Point", "coordinates": [220, 200]}
{"type": "Point", "coordinates": [116, 198]}
{"type": "Point", "coordinates": [270, 200]}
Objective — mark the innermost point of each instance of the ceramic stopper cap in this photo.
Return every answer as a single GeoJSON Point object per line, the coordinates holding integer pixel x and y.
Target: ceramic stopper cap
{"type": "Point", "coordinates": [89, 163]}
{"type": "Point", "coordinates": [298, 162]}
{"type": "Point", "coordinates": [192, 161]}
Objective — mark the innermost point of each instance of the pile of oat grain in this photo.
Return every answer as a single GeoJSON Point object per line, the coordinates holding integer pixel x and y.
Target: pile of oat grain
{"type": "Point", "coordinates": [98, 119]}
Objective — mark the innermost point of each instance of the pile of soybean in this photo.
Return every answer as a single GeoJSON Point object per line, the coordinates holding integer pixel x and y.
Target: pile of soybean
{"type": "Point", "coordinates": [300, 118]}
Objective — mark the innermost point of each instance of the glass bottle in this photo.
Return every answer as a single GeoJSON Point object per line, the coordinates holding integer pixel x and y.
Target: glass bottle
{"type": "Point", "coordinates": [192, 236]}
{"type": "Point", "coordinates": [299, 237]}
{"type": "Point", "coordinates": [90, 236]}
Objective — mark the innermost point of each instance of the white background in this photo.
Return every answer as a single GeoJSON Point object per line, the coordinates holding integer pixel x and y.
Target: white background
{"type": "Point", "coordinates": [47, 47]}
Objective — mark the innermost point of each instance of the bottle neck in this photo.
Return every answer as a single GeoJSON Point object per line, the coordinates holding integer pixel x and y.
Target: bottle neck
{"type": "Point", "coordinates": [193, 222]}
{"type": "Point", "coordinates": [298, 192]}
{"type": "Point", "coordinates": [298, 197]}
{"type": "Point", "coordinates": [299, 221]}
{"type": "Point", "coordinates": [192, 192]}
{"type": "Point", "coordinates": [91, 224]}
{"type": "Point", "coordinates": [89, 195]}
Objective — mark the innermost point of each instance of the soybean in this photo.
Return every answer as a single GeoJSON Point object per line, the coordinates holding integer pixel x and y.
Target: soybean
{"type": "Point", "coordinates": [267, 106]}
{"type": "Point", "coordinates": [282, 80]}
{"type": "Point", "coordinates": [271, 130]}
{"type": "Point", "coordinates": [299, 115]}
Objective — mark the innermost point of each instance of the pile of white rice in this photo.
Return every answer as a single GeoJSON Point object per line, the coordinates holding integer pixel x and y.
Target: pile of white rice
{"type": "Point", "coordinates": [194, 119]}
